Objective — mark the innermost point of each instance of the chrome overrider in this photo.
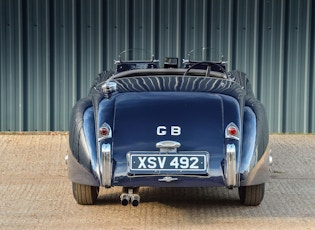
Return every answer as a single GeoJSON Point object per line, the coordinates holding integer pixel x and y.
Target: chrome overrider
{"type": "Point", "coordinates": [105, 158]}
{"type": "Point", "coordinates": [106, 165]}
{"type": "Point", "coordinates": [230, 166]}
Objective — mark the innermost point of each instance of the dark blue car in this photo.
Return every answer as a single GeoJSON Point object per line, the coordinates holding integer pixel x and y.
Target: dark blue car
{"type": "Point", "coordinates": [195, 126]}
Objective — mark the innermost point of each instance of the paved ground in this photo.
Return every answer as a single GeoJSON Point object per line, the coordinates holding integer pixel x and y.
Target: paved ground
{"type": "Point", "coordinates": [36, 194]}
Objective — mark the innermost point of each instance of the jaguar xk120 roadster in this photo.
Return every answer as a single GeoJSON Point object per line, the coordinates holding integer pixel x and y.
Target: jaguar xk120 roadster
{"type": "Point", "coordinates": [198, 125]}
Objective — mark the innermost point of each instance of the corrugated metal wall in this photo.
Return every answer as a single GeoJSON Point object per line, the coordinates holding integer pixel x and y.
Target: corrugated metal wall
{"type": "Point", "coordinates": [51, 51]}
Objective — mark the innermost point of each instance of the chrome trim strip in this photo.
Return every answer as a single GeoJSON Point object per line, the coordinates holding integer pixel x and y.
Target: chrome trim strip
{"type": "Point", "coordinates": [230, 165]}
{"type": "Point", "coordinates": [106, 165]}
{"type": "Point", "coordinates": [168, 179]}
{"type": "Point", "coordinates": [167, 175]}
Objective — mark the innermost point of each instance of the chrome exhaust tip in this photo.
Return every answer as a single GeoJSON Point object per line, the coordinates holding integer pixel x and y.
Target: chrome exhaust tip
{"type": "Point", "coordinates": [128, 196]}
{"type": "Point", "coordinates": [135, 200]}
{"type": "Point", "coordinates": [124, 199]}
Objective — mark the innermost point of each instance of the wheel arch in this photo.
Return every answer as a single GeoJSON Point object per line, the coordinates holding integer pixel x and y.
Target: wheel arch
{"type": "Point", "coordinates": [82, 144]}
{"type": "Point", "coordinates": [255, 149]}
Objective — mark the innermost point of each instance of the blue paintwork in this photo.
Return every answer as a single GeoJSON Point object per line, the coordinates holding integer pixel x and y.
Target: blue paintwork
{"type": "Point", "coordinates": [106, 112]}
{"type": "Point", "coordinates": [213, 181]}
{"type": "Point", "coordinates": [89, 133]}
{"type": "Point", "coordinates": [248, 148]}
{"type": "Point", "coordinates": [201, 106]}
{"type": "Point", "coordinates": [201, 116]}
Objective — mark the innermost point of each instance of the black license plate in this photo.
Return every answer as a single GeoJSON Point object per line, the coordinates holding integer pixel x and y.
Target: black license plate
{"type": "Point", "coordinates": [148, 163]}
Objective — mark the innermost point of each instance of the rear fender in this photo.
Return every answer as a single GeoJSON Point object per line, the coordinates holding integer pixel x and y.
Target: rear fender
{"type": "Point", "coordinates": [82, 154]}
{"type": "Point", "coordinates": [77, 173]}
{"type": "Point", "coordinates": [105, 114]}
{"type": "Point", "coordinates": [255, 166]}
{"type": "Point", "coordinates": [232, 117]}
{"type": "Point", "coordinates": [90, 138]}
{"type": "Point", "coordinates": [249, 154]}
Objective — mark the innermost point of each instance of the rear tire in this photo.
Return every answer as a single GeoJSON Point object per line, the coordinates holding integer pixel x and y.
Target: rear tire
{"type": "Point", "coordinates": [251, 195]}
{"type": "Point", "coordinates": [85, 194]}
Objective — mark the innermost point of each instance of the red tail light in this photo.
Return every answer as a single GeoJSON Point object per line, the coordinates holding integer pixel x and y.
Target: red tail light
{"type": "Point", "coordinates": [232, 131]}
{"type": "Point", "coordinates": [105, 131]}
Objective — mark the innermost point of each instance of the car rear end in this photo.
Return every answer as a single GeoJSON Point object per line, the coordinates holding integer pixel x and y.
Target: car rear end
{"type": "Point", "coordinates": [172, 138]}
{"type": "Point", "coordinates": [169, 128]}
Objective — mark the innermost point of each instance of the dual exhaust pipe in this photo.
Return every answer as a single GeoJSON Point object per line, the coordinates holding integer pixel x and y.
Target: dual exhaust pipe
{"type": "Point", "coordinates": [130, 195]}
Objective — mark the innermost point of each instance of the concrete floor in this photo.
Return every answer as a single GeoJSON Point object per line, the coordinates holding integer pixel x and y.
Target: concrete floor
{"type": "Point", "coordinates": [35, 193]}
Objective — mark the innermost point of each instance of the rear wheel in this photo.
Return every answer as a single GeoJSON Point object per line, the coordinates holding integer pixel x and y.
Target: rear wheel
{"type": "Point", "coordinates": [252, 195]}
{"type": "Point", "coordinates": [85, 194]}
